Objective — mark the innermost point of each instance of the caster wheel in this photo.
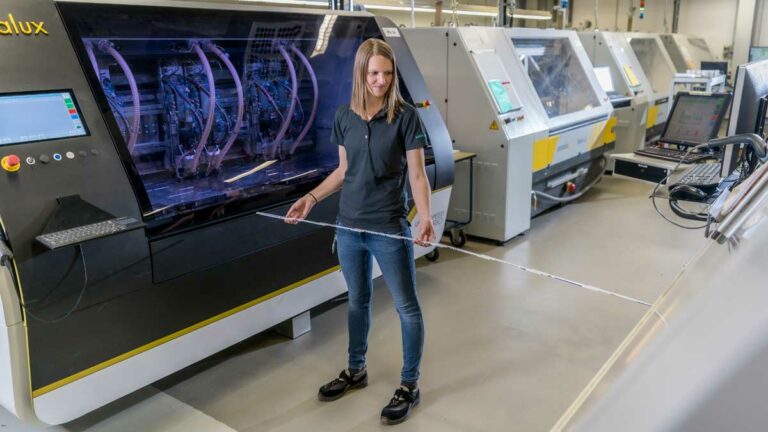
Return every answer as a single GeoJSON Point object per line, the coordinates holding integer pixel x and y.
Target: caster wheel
{"type": "Point", "coordinates": [433, 256]}
{"type": "Point", "coordinates": [459, 239]}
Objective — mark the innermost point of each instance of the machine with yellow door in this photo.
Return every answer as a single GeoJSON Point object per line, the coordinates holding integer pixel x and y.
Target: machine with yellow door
{"type": "Point", "coordinates": [577, 112]}
{"type": "Point", "coordinates": [534, 114]}
{"type": "Point", "coordinates": [482, 93]}
{"type": "Point", "coordinates": [659, 69]}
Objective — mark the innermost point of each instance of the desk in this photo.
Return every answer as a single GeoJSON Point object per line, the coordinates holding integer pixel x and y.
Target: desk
{"type": "Point", "coordinates": [643, 168]}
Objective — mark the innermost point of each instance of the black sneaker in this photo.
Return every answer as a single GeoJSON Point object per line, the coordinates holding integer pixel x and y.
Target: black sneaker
{"type": "Point", "coordinates": [341, 385]}
{"type": "Point", "coordinates": [400, 406]}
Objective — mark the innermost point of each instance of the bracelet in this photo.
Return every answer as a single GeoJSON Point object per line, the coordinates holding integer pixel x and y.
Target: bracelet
{"type": "Point", "coordinates": [313, 197]}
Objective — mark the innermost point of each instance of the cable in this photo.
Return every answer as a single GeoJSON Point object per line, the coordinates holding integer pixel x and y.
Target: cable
{"type": "Point", "coordinates": [235, 132]}
{"type": "Point", "coordinates": [289, 115]}
{"type": "Point", "coordinates": [315, 101]}
{"type": "Point", "coordinates": [537, 194]}
{"type": "Point", "coordinates": [658, 185]}
{"type": "Point", "coordinates": [211, 107]}
{"type": "Point", "coordinates": [77, 302]}
{"type": "Point", "coordinates": [108, 47]}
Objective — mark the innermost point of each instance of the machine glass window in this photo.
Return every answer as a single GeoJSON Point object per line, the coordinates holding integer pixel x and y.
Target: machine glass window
{"type": "Point", "coordinates": [556, 73]}
{"type": "Point", "coordinates": [219, 111]}
{"type": "Point", "coordinates": [699, 49]}
{"type": "Point", "coordinates": [653, 62]}
{"type": "Point", "coordinates": [39, 116]}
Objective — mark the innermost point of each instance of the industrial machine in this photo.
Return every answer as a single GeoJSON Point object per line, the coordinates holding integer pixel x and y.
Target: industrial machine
{"type": "Point", "coordinates": [623, 80]}
{"type": "Point", "coordinates": [687, 52]}
{"type": "Point", "coordinates": [660, 71]}
{"type": "Point", "coordinates": [141, 143]}
{"type": "Point", "coordinates": [483, 93]}
{"type": "Point", "coordinates": [577, 112]}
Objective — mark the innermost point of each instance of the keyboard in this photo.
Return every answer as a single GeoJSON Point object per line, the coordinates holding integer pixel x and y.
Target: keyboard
{"type": "Point", "coordinates": [84, 233]}
{"type": "Point", "coordinates": [703, 176]}
{"type": "Point", "coordinates": [673, 155]}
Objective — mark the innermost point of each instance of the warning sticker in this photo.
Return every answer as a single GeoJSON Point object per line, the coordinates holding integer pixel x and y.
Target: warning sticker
{"type": "Point", "coordinates": [391, 32]}
{"type": "Point", "coordinates": [494, 125]}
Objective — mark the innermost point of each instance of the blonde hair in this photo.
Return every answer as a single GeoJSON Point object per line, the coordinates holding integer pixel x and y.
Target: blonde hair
{"type": "Point", "coordinates": [393, 101]}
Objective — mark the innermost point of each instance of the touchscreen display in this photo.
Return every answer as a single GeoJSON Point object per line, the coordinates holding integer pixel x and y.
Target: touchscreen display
{"type": "Point", "coordinates": [28, 117]}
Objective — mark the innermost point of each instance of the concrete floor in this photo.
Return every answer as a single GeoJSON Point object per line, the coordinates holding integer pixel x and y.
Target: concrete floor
{"type": "Point", "coordinates": [505, 350]}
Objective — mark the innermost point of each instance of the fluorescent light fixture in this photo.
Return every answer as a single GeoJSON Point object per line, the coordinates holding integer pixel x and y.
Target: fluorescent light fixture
{"type": "Point", "coordinates": [491, 12]}
{"type": "Point", "coordinates": [292, 2]}
{"type": "Point", "coordinates": [427, 10]}
{"type": "Point", "coordinates": [529, 16]}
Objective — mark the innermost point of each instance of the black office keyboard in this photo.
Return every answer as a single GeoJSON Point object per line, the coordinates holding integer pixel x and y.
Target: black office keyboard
{"type": "Point", "coordinates": [84, 233]}
{"type": "Point", "coordinates": [673, 154]}
{"type": "Point", "coordinates": [703, 176]}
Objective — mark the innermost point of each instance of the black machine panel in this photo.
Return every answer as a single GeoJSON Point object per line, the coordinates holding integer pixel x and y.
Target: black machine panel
{"type": "Point", "coordinates": [197, 117]}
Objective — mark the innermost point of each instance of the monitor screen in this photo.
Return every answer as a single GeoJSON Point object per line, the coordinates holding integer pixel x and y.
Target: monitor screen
{"type": "Point", "coordinates": [37, 116]}
{"type": "Point", "coordinates": [721, 66]}
{"type": "Point", "coordinates": [603, 74]}
{"type": "Point", "coordinates": [695, 119]}
{"type": "Point", "coordinates": [757, 53]}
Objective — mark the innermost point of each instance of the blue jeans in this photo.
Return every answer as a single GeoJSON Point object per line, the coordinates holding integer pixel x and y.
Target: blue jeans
{"type": "Point", "coordinates": [395, 257]}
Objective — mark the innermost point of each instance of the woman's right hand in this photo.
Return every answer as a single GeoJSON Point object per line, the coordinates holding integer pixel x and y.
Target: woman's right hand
{"type": "Point", "coordinates": [299, 210]}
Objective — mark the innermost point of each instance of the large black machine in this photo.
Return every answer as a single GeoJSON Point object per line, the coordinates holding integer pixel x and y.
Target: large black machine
{"type": "Point", "coordinates": [138, 145]}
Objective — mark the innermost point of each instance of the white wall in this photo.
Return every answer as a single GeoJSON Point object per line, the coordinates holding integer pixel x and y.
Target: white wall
{"type": "Point", "coordinates": [760, 35]}
{"type": "Point", "coordinates": [713, 20]}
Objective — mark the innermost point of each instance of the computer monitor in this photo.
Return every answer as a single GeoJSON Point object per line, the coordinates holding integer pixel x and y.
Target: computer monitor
{"type": "Point", "coordinates": [757, 53]}
{"type": "Point", "coordinates": [750, 85]}
{"type": "Point", "coordinates": [39, 116]}
{"type": "Point", "coordinates": [603, 74]}
{"type": "Point", "coordinates": [762, 116]}
{"type": "Point", "coordinates": [721, 66]}
{"type": "Point", "coordinates": [695, 118]}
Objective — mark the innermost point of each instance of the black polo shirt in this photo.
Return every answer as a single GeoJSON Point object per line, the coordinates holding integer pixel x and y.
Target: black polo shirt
{"type": "Point", "coordinates": [373, 193]}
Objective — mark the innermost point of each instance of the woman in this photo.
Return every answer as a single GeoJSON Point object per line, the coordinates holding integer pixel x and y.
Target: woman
{"type": "Point", "coordinates": [378, 136]}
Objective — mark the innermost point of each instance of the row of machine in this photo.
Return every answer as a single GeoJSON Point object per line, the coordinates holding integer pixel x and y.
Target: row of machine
{"type": "Point", "coordinates": [142, 142]}
{"type": "Point", "coordinates": [541, 109]}
{"type": "Point", "coordinates": [711, 377]}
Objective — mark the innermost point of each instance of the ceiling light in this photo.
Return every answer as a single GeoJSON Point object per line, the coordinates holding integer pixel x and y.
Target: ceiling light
{"type": "Point", "coordinates": [293, 2]}
{"type": "Point", "coordinates": [427, 10]}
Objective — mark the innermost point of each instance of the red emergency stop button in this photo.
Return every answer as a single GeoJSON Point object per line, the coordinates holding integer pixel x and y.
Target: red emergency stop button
{"type": "Point", "coordinates": [11, 163]}
{"type": "Point", "coordinates": [570, 187]}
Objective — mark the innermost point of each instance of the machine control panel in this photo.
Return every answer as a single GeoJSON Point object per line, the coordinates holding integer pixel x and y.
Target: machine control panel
{"type": "Point", "coordinates": [28, 119]}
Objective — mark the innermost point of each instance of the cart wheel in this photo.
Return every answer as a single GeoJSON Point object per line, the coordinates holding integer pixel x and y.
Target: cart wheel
{"type": "Point", "coordinates": [459, 239]}
{"type": "Point", "coordinates": [433, 256]}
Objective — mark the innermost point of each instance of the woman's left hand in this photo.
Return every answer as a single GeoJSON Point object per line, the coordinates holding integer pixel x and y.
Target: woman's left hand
{"type": "Point", "coordinates": [426, 234]}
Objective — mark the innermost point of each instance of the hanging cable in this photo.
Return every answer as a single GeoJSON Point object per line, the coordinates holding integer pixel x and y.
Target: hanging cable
{"type": "Point", "coordinates": [133, 136]}
{"type": "Point", "coordinates": [211, 107]}
{"type": "Point", "coordinates": [291, 109]}
{"type": "Point", "coordinates": [240, 105]}
{"type": "Point", "coordinates": [316, 94]}
{"type": "Point", "coordinates": [569, 198]}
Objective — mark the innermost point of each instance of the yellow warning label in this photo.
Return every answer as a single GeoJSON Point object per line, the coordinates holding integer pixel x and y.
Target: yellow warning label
{"type": "Point", "coordinates": [494, 125]}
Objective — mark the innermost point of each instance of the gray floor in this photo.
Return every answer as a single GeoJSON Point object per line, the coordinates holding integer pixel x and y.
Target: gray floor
{"type": "Point", "coordinates": [505, 350]}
